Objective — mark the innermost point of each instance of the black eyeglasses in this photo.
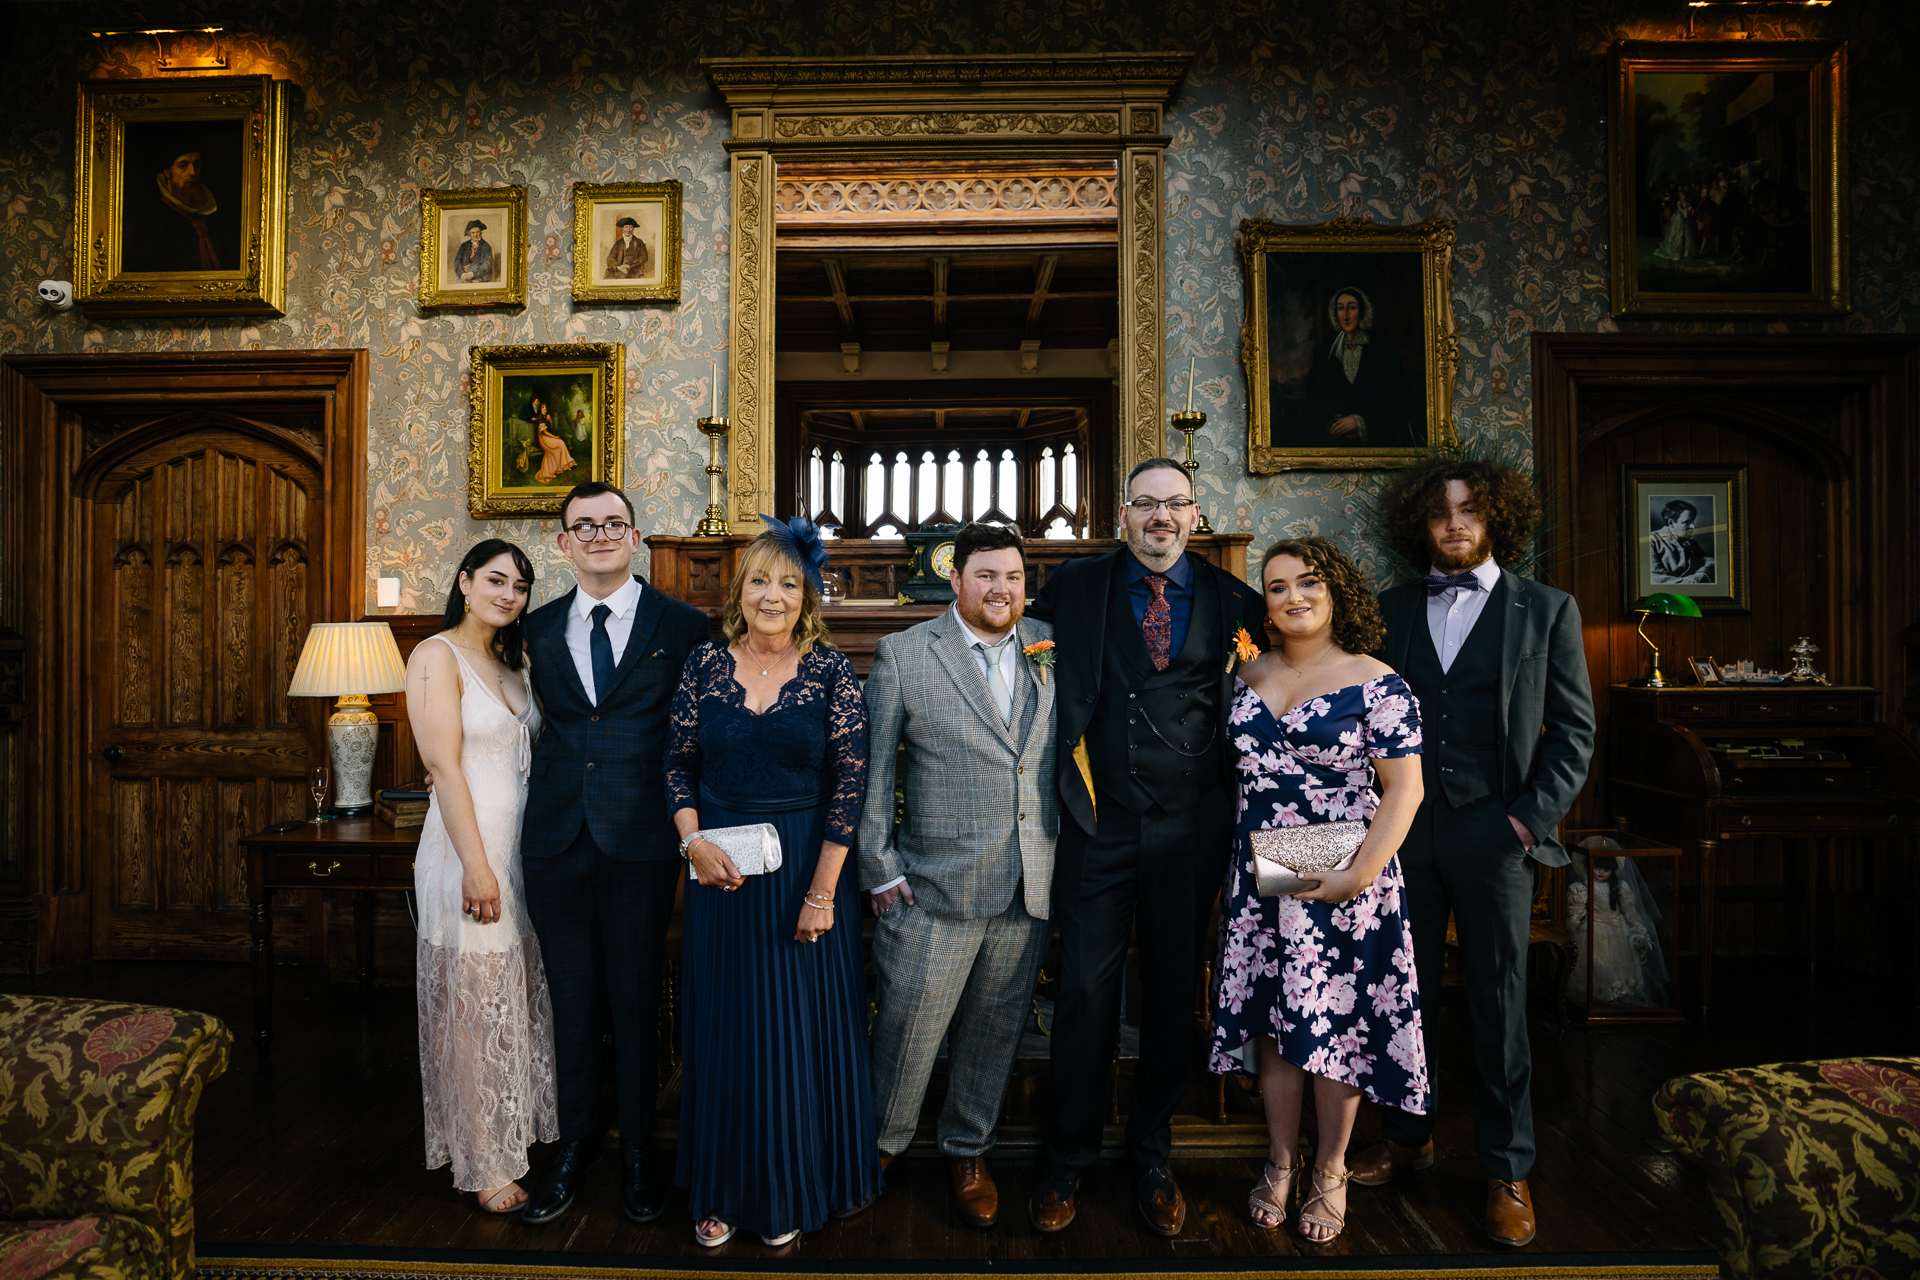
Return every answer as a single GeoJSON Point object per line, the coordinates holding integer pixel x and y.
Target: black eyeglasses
{"type": "Point", "coordinates": [1174, 506]}
{"type": "Point", "coordinates": [587, 531]}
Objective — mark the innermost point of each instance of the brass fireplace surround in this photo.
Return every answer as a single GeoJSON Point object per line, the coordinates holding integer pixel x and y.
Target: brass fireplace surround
{"type": "Point", "coordinates": [1046, 109]}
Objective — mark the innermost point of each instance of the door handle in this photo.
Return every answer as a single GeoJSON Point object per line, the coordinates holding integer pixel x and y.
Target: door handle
{"type": "Point", "coordinates": [114, 755]}
{"type": "Point", "coordinates": [318, 874]}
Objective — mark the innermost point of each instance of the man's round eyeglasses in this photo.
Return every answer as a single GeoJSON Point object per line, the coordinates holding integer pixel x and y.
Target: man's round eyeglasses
{"type": "Point", "coordinates": [1174, 506]}
{"type": "Point", "coordinates": [612, 530]}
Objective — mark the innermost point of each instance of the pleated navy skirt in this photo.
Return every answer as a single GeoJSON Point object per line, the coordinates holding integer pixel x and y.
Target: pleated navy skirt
{"type": "Point", "coordinates": [776, 1094]}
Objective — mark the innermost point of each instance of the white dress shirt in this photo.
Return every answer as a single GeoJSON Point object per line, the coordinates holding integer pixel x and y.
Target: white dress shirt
{"type": "Point", "coordinates": [1009, 656]}
{"type": "Point", "coordinates": [1452, 613]}
{"type": "Point", "coordinates": [1009, 671]}
{"type": "Point", "coordinates": [624, 602]}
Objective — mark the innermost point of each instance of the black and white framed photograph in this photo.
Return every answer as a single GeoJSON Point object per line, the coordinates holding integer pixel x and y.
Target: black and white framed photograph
{"type": "Point", "coordinates": [1686, 533]}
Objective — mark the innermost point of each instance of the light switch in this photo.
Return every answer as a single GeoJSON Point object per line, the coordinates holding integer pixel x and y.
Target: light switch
{"type": "Point", "coordinates": [386, 592]}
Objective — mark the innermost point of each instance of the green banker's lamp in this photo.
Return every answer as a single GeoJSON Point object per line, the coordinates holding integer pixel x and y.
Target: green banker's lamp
{"type": "Point", "coordinates": [1669, 605]}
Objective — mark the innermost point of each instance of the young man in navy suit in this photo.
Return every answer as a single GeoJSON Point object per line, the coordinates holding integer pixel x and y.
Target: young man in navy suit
{"type": "Point", "coordinates": [600, 853]}
{"type": "Point", "coordinates": [1497, 663]}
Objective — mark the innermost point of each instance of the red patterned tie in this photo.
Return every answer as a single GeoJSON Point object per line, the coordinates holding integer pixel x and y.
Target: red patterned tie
{"type": "Point", "coordinates": [1158, 625]}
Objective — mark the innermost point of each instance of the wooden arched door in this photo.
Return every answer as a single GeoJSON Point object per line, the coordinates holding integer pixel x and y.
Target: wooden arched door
{"type": "Point", "coordinates": [203, 563]}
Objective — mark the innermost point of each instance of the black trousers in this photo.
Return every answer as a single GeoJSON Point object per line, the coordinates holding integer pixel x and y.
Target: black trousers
{"type": "Point", "coordinates": [1156, 874]}
{"type": "Point", "coordinates": [602, 926]}
{"type": "Point", "coordinates": [1469, 861]}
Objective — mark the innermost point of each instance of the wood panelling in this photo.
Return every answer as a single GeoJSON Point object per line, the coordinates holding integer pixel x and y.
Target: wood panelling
{"type": "Point", "coordinates": [1825, 427]}
{"type": "Point", "coordinates": [172, 525]}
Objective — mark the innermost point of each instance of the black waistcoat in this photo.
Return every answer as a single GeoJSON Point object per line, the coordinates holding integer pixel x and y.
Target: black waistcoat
{"type": "Point", "coordinates": [1460, 707]}
{"type": "Point", "coordinates": [1132, 763]}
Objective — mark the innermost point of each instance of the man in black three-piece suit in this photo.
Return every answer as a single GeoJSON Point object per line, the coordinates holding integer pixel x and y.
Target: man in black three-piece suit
{"type": "Point", "coordinates": [600, 854]}
{"type": "Point", "coordinates": [1142, 637]}
{"type": "Point", "coordinates": [1497, 664]}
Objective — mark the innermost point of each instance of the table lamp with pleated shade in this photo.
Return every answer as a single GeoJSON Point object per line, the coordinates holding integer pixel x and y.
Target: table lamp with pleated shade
{"type": "Point", "coordinates": [348, 661]}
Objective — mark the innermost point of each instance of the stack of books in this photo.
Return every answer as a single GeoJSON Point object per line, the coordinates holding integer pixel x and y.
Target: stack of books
{"type": "Point", "coordinates": [402, 807]}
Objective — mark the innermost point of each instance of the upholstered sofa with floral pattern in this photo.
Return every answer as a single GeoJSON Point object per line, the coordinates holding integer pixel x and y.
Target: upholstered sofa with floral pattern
{"type": "Point", "coordinates": [96, 1136]}
{"type": "Point", "coordinates": [1814, 1166]}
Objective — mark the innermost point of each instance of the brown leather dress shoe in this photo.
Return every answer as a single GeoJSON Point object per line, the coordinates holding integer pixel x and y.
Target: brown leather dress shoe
{"type": "Point", "coordinates": [886, 1160]}
{"type": "Point", "coordinates": [1052, 1208]}
{"type": "Point", "coordinates": [1509, 1217]}
{"type": "Point", "coordinates": [973, 1191]}
{"type": "Point", "coordinates": [1161, 1203]}
{"type": "Point", "coordinates": [1384, 1161]}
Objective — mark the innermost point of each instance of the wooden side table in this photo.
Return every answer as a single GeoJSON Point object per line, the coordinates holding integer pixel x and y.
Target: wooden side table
{"type": "Point", "coordinates": [358, 854]}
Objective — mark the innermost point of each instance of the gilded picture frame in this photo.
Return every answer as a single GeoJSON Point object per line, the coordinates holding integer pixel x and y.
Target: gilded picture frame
{"type": "Point", "coordinates": [1728, 174]}
{"type": "Point", "coordinates": [541, 419]}
{"type": "Point", "coordinates": [617, 262]}
{"type": "Point", "coordinates": [1684, 530]}
{"type": "Point", "coordinates": [180, 197]}
{"type": "Point", "coordinates": [1348, 344]}
{"type": "Point", "coordinates": [473, 248]}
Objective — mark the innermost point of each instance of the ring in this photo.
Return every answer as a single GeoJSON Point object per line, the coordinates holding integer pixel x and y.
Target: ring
{"type": "Point", "coordinates": [814, 938]}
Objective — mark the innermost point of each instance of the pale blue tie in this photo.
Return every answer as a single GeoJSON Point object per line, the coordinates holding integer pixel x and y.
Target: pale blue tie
{"type": "Point", "coordinates": [1002, 696]}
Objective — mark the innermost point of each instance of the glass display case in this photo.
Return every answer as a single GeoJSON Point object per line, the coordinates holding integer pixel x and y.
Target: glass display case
{"type": "Point", "coordinates": [1623, 905]}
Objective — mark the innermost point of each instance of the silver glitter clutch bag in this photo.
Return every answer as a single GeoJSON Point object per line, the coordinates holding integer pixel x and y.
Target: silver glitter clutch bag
{"type": "Point", "coordinates": [754, 850]}
{"type": "Point", "coordinates": [1285, 858]}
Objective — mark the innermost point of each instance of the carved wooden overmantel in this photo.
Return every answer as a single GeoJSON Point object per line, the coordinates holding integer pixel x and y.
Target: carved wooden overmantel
{"type": "Point", "coordinates": [1047, 109]}
{"type": "Point", "coordinates": [700, 570]}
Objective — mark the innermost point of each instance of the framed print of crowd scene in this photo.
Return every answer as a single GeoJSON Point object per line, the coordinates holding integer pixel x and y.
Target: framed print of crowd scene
{"type": "Point", "coordinates": [541, 420]}
{"type": "Point", "coordinates": [1728, 172]}
{"type": "Point", "coordinates": [180, 196]}
{"type": "Point", "coordinates": [473, 247]}
{"type": "Point", "coordinates": [1348, 344]}
{"type": "Point", "coordinates": [626, 242]}
{"type": "Point", "coordinates": [1686, 533]}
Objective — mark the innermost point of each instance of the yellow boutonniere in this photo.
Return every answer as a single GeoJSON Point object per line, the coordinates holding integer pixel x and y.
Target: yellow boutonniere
{"type": "Point", "coordinates": [1041, 651]}
{"type": "Point", "coordinates": [1244, 649]}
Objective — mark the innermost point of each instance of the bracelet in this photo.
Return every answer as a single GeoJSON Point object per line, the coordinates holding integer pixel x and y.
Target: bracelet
{"type": "Point", "coordinates": [686, 845]}
{"type": "Point", "coordinates": [808, 897]}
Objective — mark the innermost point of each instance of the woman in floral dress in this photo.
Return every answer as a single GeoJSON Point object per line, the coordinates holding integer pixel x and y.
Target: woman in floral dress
{"type": "Point", "coordinates": [1321, 983]}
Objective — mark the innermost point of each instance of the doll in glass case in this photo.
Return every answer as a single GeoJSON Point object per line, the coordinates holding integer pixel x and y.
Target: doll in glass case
{"type": "Point", "coordinates": [1629, 966]}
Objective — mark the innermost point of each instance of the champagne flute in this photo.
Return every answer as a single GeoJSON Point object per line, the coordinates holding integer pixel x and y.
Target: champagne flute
{"type": "Point", "coordinates": [319, 778]}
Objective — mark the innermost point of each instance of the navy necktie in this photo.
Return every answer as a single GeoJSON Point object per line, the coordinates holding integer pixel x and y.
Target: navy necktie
{"type": "Point", "coordinates": [1438, 582]}
{"type": "Point", "coordinates": [600, 645]}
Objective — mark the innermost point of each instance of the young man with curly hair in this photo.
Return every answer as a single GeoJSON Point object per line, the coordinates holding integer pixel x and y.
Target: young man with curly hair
{"type": "Point", "coordinates": [1497, 664]}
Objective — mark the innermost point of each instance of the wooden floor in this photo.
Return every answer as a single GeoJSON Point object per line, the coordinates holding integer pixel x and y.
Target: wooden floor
{"type": "Point", "coordinates": [324, 1149]}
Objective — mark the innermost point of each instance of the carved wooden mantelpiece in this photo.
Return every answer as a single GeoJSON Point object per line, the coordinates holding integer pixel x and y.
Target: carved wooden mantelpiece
{"type": "Point", "coordinates": [699, 571]}
{"type": "Point", "coordinates": [1044, 110]}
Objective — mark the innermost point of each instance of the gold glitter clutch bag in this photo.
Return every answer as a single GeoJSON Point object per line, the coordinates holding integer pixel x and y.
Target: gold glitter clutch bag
{"type": "Point", "coordinates": [1285, 858]}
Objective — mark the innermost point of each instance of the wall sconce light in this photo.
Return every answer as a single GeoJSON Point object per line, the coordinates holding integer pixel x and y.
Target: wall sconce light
{"type": "Point", "coordinates": [185, 54]}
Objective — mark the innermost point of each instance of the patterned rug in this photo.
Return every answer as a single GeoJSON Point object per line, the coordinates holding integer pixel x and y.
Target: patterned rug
{"type": "Point", "coordinates": [248, 1262]}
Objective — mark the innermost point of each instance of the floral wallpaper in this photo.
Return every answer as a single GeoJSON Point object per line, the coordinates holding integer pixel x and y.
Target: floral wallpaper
{"type": "Point", "coordinates": [1395, 110]}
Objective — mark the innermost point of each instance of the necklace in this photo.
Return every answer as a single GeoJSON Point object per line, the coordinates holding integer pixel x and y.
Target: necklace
{"type": "Point", "coordinates": [775, 661]}
{"type": "Point", "coordinates": [1302, 671]}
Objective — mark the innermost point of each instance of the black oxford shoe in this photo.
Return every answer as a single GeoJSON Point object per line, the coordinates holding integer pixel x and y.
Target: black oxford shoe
{"type": "Point", "coordinates": [640, 1200]}
{"type": "Point", "coordinates": [572, 1162]}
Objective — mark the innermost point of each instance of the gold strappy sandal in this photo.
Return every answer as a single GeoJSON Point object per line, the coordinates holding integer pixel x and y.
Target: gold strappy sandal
{"type": "Point", "coordinates": [1277, 1185]}
{"type": "Point", "coordinates": [1319, 1196]}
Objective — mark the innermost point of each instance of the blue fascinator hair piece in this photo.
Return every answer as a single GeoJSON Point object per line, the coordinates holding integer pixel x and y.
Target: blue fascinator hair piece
{"type": "Point", "coordinates": [800, 539]}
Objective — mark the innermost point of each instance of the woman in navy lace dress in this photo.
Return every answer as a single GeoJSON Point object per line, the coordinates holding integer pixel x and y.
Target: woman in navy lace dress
{"type": "Point", "coordinates": [1319, 986]}
{"type": "Point", "coordinates": [776, 1100]}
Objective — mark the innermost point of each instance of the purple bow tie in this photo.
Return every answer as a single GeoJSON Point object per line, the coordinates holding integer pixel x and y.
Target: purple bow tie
{"type": "Point", "coordinates": [1438, 582]}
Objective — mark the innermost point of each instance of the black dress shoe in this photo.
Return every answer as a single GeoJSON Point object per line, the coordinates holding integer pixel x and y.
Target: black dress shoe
{"type": "Point", "coordinates": [572, 1162]}
{"type": "Point", "coordinates": [640, 1200]}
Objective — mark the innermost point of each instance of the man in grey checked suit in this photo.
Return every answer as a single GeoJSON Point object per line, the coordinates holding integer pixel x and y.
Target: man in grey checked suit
{"type": "Point", "coordinates": [962, 888]}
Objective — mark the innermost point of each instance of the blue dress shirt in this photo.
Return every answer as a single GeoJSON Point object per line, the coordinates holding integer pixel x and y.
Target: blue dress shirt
{"type": "Point", "coordinates": [1179, 596]}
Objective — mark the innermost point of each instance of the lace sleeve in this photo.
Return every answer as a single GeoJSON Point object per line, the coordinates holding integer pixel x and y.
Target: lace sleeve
{"type": "Point", "coordinates": [683, 733]}
{"type": "Point", "coordinates": [846, 749]}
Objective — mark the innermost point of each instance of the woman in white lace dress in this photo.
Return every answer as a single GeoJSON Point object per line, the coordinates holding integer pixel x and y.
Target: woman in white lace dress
{"type": "Point", "coordinates": [486, 1020]}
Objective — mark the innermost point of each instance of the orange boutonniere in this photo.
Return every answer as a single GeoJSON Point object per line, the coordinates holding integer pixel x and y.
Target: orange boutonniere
{"type": "Point", "coordinates": [1041, 651]}
{"type": "Point", "coordinates": [1244, 649]}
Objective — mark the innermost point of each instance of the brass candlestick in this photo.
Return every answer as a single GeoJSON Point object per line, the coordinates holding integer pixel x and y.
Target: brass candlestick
{"type": "Point", "coordinates": [715, 523]}
{"type": "Point", "coordinates": [1190, 421]}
